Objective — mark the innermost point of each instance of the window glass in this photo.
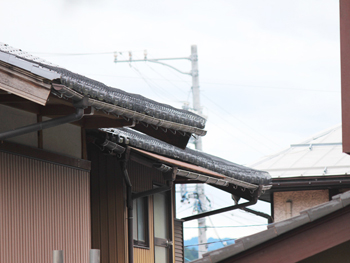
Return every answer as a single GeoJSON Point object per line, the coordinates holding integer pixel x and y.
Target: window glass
{"type": "Point", "coordinates": [160, 255]}
{"type": "Point", "coordinates": [134, 222]}
{"type": "Point", "coordinates": [160, 216]}
{"type": "Point", "coordinates": [141, 235]}
{"type": "Point", "coordinates": [140, 221]}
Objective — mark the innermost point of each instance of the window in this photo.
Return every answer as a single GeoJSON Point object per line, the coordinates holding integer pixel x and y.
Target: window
{"type": "Point", "coordinates": [140, 222]}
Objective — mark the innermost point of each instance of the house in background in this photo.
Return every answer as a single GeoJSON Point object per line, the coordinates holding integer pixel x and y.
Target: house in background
{"type": "Point", "coordinates": [67, 184]}
{"type": "Point", "coordinates": [320, 234]}
{"type": "Point", "coordinates": [310, 205]}
{"type": "Point", "coordinates": [306, 174]}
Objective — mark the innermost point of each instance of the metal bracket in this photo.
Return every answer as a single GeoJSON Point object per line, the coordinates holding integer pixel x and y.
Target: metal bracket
{"type": "Point", "coordinates": [226, 209]}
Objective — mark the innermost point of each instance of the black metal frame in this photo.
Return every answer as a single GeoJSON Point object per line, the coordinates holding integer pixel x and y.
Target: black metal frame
{"type": "Point", "coordinates": [253, 201]}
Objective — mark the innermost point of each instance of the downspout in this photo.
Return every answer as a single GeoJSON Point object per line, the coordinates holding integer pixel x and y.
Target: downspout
{"type": "Point", "coordinates": [79, 105]}
{"type": "Point", "coordinates": [268, 217]}
{"type": "Point", "coordinates": [258, 213]}
{"type": "Point", "coordinates": [169, 176]}
{"type": "Point", "coordinates": [129, 204]}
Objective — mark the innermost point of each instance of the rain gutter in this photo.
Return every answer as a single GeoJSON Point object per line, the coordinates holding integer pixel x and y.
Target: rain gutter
{"type": "Point", "coordinates": [131, 114]}
{"type": "Point", "coordinates": [257, 213]}
{"type": "Point", "coordinates": [129, 204]}
{"type": "Point", "coordinates": [79, 105]}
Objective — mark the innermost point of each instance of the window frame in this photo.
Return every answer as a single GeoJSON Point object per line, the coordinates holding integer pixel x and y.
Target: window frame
{"type": "Point", "coordinates": [145, 203]}
{"type": "Point", "coordinates": [169, 223]}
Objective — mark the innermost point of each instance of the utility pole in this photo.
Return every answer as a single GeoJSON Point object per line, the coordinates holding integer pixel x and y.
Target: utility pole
{"type": "Point", "coordinates": [202, 235]}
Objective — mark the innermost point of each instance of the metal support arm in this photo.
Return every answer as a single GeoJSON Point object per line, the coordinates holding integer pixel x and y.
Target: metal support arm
{"type": "Point", "coordinates": [226, 209]}
{"type": "Point", "coordinates": [48, 124]}
{"type": "Point", "coordinates": [153, 191]}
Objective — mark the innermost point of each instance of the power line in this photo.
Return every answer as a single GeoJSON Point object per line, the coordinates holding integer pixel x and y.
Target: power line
{"type": "Point", "coordinates": [223, 84]}
{"type": "Point", "coordinates": [195, 227]}
{"type": "Point", "coordinates": [230, 114]}
{"type": "Point", "coordinates": [217, 234]}
{"type": "Point", "coordinates": [72, 54]}
{"type": "Point", "coordinates": [165, 78]}
{"type": "Point", "coordinates": [209, 242]}
{"type": "Point", "coordinates": [81, 54]}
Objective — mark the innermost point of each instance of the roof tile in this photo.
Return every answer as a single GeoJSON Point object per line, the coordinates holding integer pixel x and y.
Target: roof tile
{"type": "Point", "coordinates": [289, 224]}
{"type": "Point", "coordinates": [323, 209]}
{"type": "Point", "coordinates": [256, 239]}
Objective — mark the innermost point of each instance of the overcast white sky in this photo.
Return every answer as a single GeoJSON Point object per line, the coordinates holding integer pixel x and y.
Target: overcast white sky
{"type": "Point", "coordinates": [269, 70]}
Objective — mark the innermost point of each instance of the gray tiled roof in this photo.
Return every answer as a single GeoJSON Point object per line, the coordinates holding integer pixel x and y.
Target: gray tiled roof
{"type": "Point", "coordinates": [210, 162]}
{"type": "Point", "coordinates": [103, 97]}
{"type": "Point", "coordinates": [338, 202]}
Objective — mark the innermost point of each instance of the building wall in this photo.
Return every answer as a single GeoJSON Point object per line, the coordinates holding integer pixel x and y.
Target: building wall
{"type": "Point", "coordinates": [291, 203]}
{"type": "Point", "coordinates": [142, 179]}
{"type": "Point", "coordinates": [64, 139]}
{"type": "Point", "coordinates": [179, 241]}
{"type": "Point", "coordinates": [44, 206]}
{"type": "Point", "coordinates": [11, 118]}
{"type": "Point", "coordinates": [108, 207]}
{"type": "Point", "coordinates": [340, 253]}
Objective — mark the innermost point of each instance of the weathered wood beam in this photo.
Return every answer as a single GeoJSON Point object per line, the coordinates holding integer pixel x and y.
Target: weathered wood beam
{"type": "Point", "coordinates": [24, 86]}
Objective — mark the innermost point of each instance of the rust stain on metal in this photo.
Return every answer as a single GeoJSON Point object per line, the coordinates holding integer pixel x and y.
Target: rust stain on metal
{"type": "Point", "coordinates": [177, 163]}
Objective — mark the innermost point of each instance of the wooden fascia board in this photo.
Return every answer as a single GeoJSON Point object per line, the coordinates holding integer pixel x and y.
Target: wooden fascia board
{"type": "Point", "coordinates": [344, 6]}
{"type": "Point", "coordinates": [24, 86]}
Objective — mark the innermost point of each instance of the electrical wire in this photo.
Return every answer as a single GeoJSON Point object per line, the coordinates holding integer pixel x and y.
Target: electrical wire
{"type": "Point", "coordinates": [72, 54]}
{"type": "Point", "coordinates": [203, 82]}
{"type": "Point", "coordinates": [218, 83]}
{"type": "Point", "coordinates": [148, 64]}
{"type": "Point", "coordinates": [152, 83]}
{"type": "Point", "coordinates": [209, 243]}
{"type": "Point", "coordinates": [187, 208]}
{"type": "Point", "coordinates": [196, 227]}
{"type": "Point", "coordinates": [242, 122]}
{"type": "Point", "coordinates": [217, 234]}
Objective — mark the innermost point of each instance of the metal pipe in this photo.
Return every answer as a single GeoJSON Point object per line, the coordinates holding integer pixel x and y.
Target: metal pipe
{"type": "Point", "coordinates": [153, 191]}
{"type": "Point", "coordinates": [268, 217]}
{"type": "Point", "coordinates": [94, 256]}
{"type": "Point", "coordinates": [129, 203]}
{"type": "Point", "coordinates": [58, 256]}
{"type": "Point", "coordinates": [221, 210]}
{"type": "Point", "coordinates": [48, 124]}
{"type": "Point", "coordinates": [254, 200]}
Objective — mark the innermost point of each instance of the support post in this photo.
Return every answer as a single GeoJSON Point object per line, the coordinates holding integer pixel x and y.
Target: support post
{"type": "Point", "coordinates": [94, 256]}
{"type": "Point", "coordinates": [58, 256]}
{"type": "Point", "coordinates": [202, 234]}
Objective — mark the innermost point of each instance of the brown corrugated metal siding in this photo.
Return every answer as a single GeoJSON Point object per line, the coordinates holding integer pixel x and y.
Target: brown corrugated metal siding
{"type": "Point", "coordinates": [179, 241]}
{"type": "Point", "coordinates": [143, 178]}
{"type": "Point", "coordinates": [43, 207]}
{"type": "Point", "coordinates": [108, 205]}
{"type": "Point", "coordinates": [108, 212]}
